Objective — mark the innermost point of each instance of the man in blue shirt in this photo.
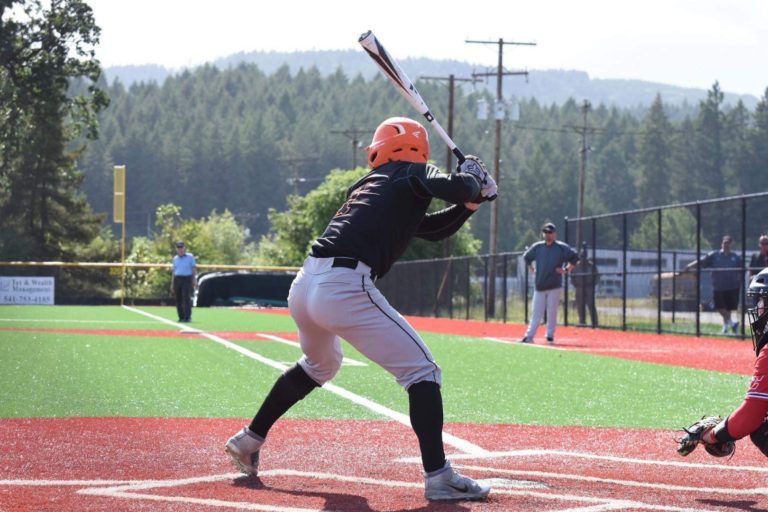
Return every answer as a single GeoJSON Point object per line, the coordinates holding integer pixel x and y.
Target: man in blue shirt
{"type": "Point", "coordinates": [726, 280]}
{"type": "Point", "coordinates": [548, 260]}
{"type": "Point", "coordinates": [184, 280]}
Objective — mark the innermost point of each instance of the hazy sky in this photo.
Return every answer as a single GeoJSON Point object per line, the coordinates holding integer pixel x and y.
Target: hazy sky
{"type": "Point", "coordinates": [682, 42]}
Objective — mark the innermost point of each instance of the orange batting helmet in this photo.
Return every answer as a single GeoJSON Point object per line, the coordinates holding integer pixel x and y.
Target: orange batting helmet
{"type": "Point", "coordinates": [398, 139]}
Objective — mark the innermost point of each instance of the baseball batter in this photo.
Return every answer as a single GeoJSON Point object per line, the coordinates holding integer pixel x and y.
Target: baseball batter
{"type": "Point", "coordinates": [334, 294]}
{"type": "Point", "coordinates": [751, 417]}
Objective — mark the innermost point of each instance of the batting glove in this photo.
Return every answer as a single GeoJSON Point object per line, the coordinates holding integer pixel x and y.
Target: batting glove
{"type": "Point", "coordinates": [474, 166]}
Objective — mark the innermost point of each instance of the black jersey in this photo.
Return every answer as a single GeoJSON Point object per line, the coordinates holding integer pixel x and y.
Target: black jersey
{"type": "Point", "coordinates": [387, 207]}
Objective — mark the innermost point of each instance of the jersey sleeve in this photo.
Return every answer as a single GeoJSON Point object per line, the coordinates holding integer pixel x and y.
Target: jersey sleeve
{"type": "Point", "coordinates": [456, 188]}
{"type": "Point", "coordinates": [442, 224]}
{"type": "Point", "coordinates": [752, 412]}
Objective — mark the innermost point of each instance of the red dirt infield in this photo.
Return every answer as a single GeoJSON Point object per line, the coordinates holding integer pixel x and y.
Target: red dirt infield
{"type": "Point", "coordinates": [177, 464]}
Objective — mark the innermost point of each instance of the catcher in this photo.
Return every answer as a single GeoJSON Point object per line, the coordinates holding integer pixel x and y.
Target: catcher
{"type": "Point", "coordinates": [718, 436]}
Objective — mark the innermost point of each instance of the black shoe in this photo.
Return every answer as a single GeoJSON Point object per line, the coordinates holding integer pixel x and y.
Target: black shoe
{"type": "Point", "coordinates": [551, 340]}
{"type": "Point", "coordinates": [526, 339]}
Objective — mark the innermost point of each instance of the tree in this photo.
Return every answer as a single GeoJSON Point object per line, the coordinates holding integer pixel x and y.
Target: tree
{"type": "Point", "coordinates": [43, 50]}
{"type": "Point", "coordinates": [293, 230]}
{"type": "Point", "coordinates": [217, 239]}
{"type": "Point", "coordinates": [654, 158]}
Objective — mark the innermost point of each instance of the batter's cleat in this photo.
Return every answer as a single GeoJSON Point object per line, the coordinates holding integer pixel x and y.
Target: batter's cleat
{"type": "Point", "coordinates": [526, 339]}
{"type": "Point", "coordinates": [243, 448]}
{"type": "Point", "coordinates": [448, 485]}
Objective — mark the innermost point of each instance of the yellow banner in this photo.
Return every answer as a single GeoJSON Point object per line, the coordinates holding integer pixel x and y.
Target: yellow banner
{"type": "Point", "coordinates": [119, 209]}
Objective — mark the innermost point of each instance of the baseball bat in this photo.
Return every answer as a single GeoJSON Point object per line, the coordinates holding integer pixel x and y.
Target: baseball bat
{"type": "Point", "coordinates": [403, 84]}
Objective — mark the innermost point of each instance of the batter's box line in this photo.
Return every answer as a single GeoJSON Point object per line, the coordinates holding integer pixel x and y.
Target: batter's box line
{"type": "Point", "coordinates": [128, 492]}
{"type": "Point", "coordinates": [592, 456]}
{"type": "Point", "coordinates": [759, 491]}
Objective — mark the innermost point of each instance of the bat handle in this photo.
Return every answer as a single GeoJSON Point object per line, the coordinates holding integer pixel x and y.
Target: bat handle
{"type": "Point", "coordinates": [459, 155]}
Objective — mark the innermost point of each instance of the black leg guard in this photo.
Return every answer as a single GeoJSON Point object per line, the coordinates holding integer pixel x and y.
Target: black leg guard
{"type": "Point", "coordinates": [289, 388]}
{"type": "Point", "coordinates": [426, 410]}
{"type": "Point", "coordinates": [760, 438]}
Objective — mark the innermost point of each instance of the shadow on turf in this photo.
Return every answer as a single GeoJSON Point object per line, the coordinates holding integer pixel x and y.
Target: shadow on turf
{"type": "Point", "coordinates": [735, 505]}
{"type": "Point", "coordinates": [345, 502]}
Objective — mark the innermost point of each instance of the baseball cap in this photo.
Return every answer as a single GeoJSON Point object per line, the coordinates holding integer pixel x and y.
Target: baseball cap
{"type": "Point", "coordinates": [179, 244]}
{"type": "Point", "coordinates": [548, 228]}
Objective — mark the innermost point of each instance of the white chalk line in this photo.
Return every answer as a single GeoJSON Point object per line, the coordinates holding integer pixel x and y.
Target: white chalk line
{"type": "Point", "coordinates": [615, 481]}
{"type": "Point", "coordinates": [128, 490]}
{"type": "Point", "coordinates": [593, 456]}
{"type": "Point", "coordinates": [372, 406]}
{"type": "Point", "coordinates": [345, 360]}
{"type": "Point", "coordinates": [75, 321]}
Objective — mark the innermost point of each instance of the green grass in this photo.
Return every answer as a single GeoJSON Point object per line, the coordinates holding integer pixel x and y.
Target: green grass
{"type": "Point", "coordinates": [60, 374]}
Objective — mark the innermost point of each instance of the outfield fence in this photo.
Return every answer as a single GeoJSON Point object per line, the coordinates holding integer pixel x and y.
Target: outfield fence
{"type": "Point", "coordinates": [639, 255]}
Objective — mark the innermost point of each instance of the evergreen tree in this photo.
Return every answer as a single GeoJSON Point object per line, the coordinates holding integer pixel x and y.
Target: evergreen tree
{"type": "Point", "coordinates": [44, 46]}
{"type": "Point", "coordinates": [654, 155]}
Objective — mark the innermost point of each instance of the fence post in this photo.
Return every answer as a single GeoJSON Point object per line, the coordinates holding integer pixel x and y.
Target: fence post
{"type": "Point", "coordinates": [698, 269]}
{"type": "Point", "coordinates": [525, 292]}
{"type": "Point", "coordinates": [504, 288]}
{"type": "Point", "coordinates": [744, 271]}
{"type": "Point", "coordinates": [485, 289]}
{"type": "Point", "coordinates": [674, 285]}
{"type": "Point", "coordinates": [450, 289]}
{"type": "Point", "coordinates": [469, 284]}
{"type": "Point", "coordinates": [565, 278]}
{"type": "Point", "coordinates": [658, 272]}
{"type": "Point", "coordinates": [624, 243]}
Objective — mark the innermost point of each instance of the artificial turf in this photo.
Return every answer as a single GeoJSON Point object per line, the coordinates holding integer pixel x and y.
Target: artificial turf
{"type": "Point", "coordinates": [64, 374]}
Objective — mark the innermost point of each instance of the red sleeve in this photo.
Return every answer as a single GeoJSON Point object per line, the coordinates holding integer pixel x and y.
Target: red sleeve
{"type": "Point", "coordinates": [752, 412]}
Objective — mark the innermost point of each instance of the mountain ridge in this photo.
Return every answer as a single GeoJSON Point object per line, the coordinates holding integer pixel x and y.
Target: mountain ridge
{"type": "Point", "coordinates": [546, 86]}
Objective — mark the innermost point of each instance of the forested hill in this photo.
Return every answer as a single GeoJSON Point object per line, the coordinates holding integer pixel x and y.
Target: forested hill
{"type": "Point", "coordinates": [547, 86]}
{"type": "Point", "coordinates": [244, 140]}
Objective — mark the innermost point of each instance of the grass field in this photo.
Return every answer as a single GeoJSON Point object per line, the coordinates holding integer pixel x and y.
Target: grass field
{"type": "Point", "coordinates": [50, 367]}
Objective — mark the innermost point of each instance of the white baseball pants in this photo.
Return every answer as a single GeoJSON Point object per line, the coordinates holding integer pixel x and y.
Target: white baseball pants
{"type": "Point", "coordinates": [327, 302]}
{"type": "Point", "coordinates": [549, 299]}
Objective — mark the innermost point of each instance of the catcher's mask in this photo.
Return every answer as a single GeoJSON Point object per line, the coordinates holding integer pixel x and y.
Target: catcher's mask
{"type": "Point", "coordinates": [398, 139]}
{"type": "Point", "coordinates": [757, 299]}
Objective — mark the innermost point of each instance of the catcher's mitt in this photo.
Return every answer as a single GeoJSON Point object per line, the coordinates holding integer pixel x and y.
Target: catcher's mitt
{"type": "Point", "coordinates": [693, 437]}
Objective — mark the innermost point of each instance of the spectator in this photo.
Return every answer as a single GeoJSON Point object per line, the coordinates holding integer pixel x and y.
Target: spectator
{"type": "Point", "coordinates": [183, 281]}
{"type": "Point", "coordinates": [548, 260]}
{"type": "Point", "coordinates": [726, 280]}
{"type": "Point", "coordinates": [759, 260]}
{"type": "Point", "coordinates": [584, 278]}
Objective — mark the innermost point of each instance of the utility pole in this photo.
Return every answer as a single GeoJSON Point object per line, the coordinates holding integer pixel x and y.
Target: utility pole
{"type": "Point", "coordinates": [354, 134]}
{"type": "Point", "coordinates": [582, 130]}
{"type": "Point", "coordinates": [448, 153]}
{"type": "Point", "coordinates": [499, 74]}
{"type": "Point", "coordinates": [294, 163]}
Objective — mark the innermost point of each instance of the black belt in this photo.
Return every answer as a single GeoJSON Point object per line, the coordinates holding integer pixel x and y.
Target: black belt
{"type": "Point", "coordinates": [351, 263]}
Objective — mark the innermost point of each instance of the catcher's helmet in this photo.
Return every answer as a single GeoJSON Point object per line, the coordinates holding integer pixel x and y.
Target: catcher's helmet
{"type": "Point", "coordinates": [398, 139]}
{"type": "Point", "coordinates": [757, 299]}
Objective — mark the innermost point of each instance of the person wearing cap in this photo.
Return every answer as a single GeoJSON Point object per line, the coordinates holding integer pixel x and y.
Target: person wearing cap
{"type": "Point", "coordinates": [759, 260]}
{"type": "Point", "coordinates": [726, 280]}
{"type": "Point", "coordinates": [183, 281]}
{"type": "Point", "coordinates": [584, 278]}
{"type": "Point", "coordinates": [548, 260]}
